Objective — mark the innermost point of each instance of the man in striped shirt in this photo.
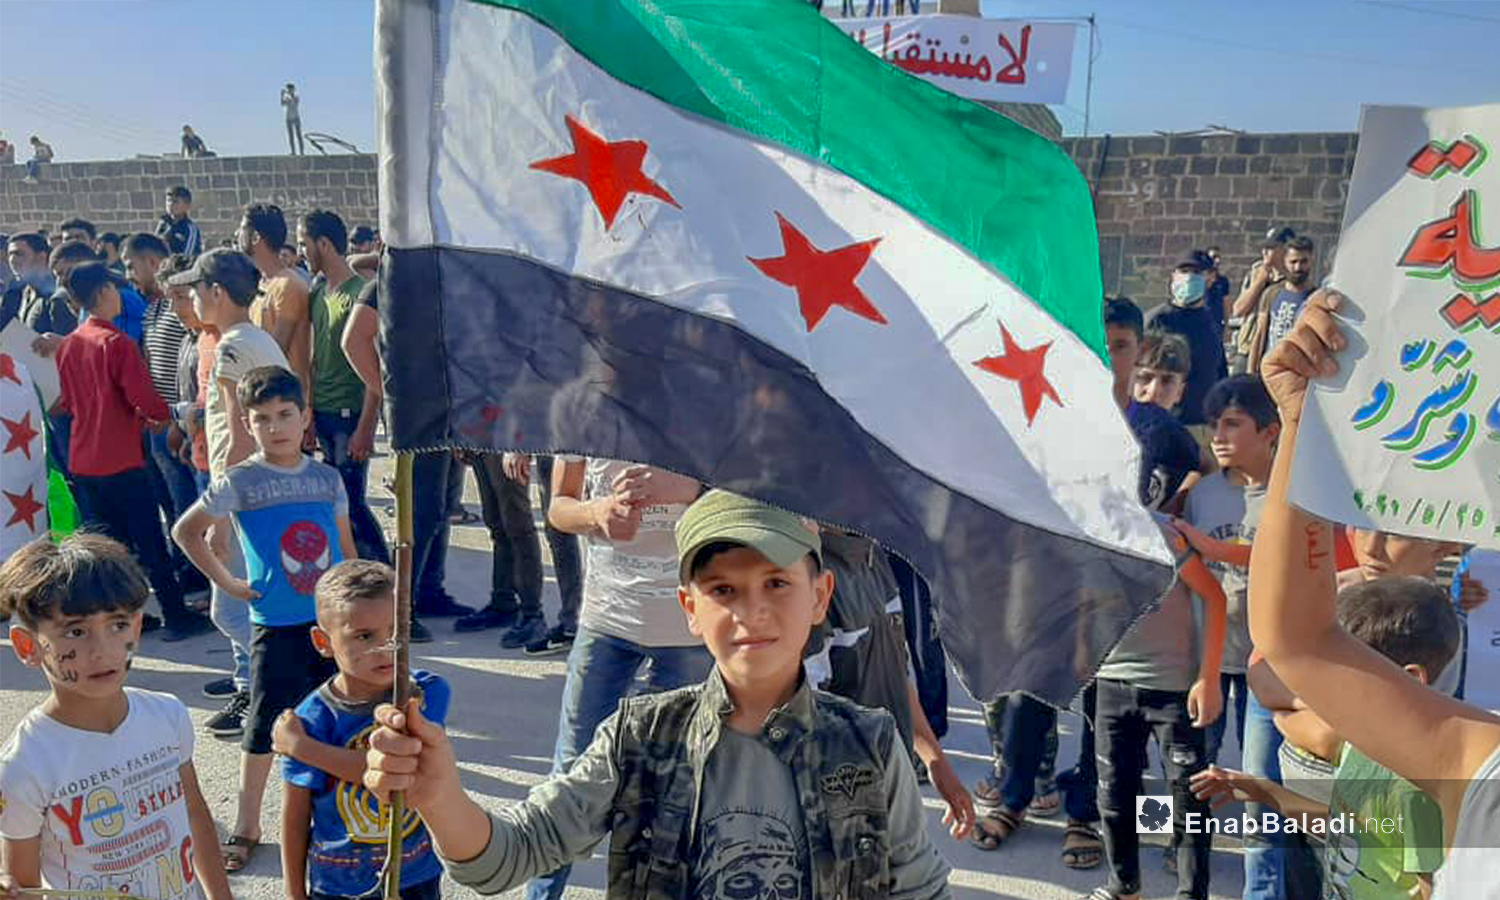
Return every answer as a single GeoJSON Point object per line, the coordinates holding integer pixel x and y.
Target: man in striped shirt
{"type": "Point", "coordinates": [163, 335]}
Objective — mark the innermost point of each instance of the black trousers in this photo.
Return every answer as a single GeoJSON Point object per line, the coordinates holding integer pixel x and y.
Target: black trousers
{"type": "Point", "coordinates": [123, 507]}
{"type": "Point", "coordinates": [1125, 718]}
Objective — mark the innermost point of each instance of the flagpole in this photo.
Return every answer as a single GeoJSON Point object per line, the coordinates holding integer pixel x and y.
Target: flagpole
{"type": "Point", "coordinates": [401, 692]}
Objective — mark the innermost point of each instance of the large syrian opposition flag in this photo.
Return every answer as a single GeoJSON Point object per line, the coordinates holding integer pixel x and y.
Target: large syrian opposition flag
{"type": "Point", "coordinates": [720, 237]}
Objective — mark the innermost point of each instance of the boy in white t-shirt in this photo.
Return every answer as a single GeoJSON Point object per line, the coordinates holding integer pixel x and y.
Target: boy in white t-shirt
{"type": "Point", "coordinates": [97, 787]}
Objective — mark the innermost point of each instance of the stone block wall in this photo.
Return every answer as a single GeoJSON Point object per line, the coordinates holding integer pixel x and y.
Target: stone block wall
{"type": "Point", "coordinates": [129, 195]}
{"type": "Point", "coordinates": [1157, 197]}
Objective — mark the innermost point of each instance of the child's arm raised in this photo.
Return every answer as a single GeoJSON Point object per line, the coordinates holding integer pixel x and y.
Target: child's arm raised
{"type": "Point", "coordinates": [289, 737]}
{"type": "Point", "coordinates": [1212, 548]}
{"type": "Point", "coordinates": [296, 822]}
{"type": "Point", "coordinates": [1430, 739]}
{"type": "Point", "coordinates": [561, 820]}
{"type": "Point", "coordinates": [1206, 697]}
{"type": "Point", "coordinates": [208, 864]}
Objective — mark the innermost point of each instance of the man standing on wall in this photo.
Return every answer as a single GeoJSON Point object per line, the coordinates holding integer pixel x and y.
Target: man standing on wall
{"type": "Point", "coordinates": [292, 103]}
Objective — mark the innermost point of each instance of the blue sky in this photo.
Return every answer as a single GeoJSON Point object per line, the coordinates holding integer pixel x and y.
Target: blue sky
{"type": "Point", "coordinates": [1272, 65]}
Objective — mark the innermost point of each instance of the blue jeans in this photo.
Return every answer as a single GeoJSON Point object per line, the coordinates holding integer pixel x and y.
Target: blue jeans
{"type": "Point", "coordinates": [1277, 866]}
{"type": "Point", "coordinates": [334, 430]}
{"type": "Point", "coordinates": [177, 490]}
{"type": "Point", "coordinates": [231, 616]}
{"type": "Point", "coordinates": [601, 670]}
{"type": "Point", "coordinates": [1229, 684]}
{"type": "Point", "coordinates": [1023, 736]}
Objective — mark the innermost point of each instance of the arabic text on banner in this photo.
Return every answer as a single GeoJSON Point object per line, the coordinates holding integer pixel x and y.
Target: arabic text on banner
{"type": "Point", "coordinates": [1001, 60]}
{"type": "Point", "coordinates": [1407, 438]}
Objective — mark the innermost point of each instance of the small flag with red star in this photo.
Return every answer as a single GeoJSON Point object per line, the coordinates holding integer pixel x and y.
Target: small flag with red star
{"type": "Point", "coordinates": [23, 459]}
{"type": "Point", "coordinates": [720, 237]}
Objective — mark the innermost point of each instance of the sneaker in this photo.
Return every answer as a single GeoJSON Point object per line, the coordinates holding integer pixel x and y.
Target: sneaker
{"type": "Point", "coordinates": [442, 607]}
{"type": "Point", "coordinates": [419, 633]}
{"type": "Point", "coordinates": [527, 631]}
{"type": "Point", "coordinates": [556, 641]}
{"type": "Point", "coordinates": [189, 625]}
{"type": "Point", "coordinates": [220, 687]}
{"type": "Point", "coordinates": [230, 721]}
{"type": "Point", "coordinates": [486, 618]}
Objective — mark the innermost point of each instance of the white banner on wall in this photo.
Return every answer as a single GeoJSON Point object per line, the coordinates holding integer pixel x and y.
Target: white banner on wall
{"type": "Point", "coordinates": [1009, 60]}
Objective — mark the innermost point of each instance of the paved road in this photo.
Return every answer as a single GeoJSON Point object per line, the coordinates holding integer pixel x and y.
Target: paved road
{"type": "Point", "coordinates": [503, 721]}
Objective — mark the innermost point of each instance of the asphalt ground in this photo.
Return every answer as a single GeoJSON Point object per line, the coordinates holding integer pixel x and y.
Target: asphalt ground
{"type": "Point", "coordinates": [504, 720]}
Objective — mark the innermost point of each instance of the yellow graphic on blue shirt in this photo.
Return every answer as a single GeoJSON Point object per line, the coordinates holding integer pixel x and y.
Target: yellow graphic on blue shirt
{"type": "Point", "coordinates": [363, 814]}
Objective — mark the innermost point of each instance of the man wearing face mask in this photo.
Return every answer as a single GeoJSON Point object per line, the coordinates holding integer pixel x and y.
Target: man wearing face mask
{"type": "Point", "coordinates": [1282, 312]}
{"type": "Point", "coordinates": [1188, 316]}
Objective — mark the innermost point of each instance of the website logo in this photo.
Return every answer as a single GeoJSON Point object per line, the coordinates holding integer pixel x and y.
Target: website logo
{"type": "Point", "coordinates": [1153, 815]}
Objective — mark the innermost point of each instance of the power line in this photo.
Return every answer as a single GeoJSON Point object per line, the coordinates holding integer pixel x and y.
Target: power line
{"type": "Point", "coordinates": [1286, 51]}
{"type": "Point", "coordinates": [1429, 12]}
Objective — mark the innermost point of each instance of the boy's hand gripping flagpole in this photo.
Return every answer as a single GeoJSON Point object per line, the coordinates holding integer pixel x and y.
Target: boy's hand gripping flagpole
{"type": "Point", "coordinates": [395, 811]}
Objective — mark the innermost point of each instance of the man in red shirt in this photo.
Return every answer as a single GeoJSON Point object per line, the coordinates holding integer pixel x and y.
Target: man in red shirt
{"type": "Point", "coordinates": [107, 389]}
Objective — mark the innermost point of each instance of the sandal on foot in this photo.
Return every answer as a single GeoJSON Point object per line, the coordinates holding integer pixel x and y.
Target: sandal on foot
{"type": "Point", "coordinates": [1044, 806]}
{"type": "Point", "coordinates": [237, 851]}
{"type": "Point", "coordinates": [994, 827]}
{"type": "Point", "coordinates": [987, 791]}
{"type": "Point", "coordinates": [1082, 846]}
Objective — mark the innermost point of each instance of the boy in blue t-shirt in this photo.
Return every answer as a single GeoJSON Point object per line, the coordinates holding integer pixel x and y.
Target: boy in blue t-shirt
{"type": "Point", "coordinates": [325, 740]}
{"type": "Point", "coordinates": [292, 518]}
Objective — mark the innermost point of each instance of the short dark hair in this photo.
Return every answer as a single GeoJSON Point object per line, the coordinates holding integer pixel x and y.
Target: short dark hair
{"type": "Point", "coordinates": [110, 238]}
{"type": "Point", "coordinates": [351, 581]}
{"type": "Point", "coordinates": [269, 383]}
{"type": "Point", "coordinates": [1122, 312]}
{"type": "Point", "coordinates": [179, 192]}
{"type": "Point", "coordinates": [268, 222]}
{"type": "Point", "coordinates": [87, 280]}
{"type": "Point", "coordinates": [83, 574]}
{"type": "Point", "coordinates": [72, 251]}
{"type": "Point", "coordinates": [1166, 352]}
{"type": "Point", "coordinates": [1409, 620]}
{"type": "Point", "coordinates": [320, 223]}
{"type": "Point", "coordinates": [709, 551]}
{"type": "Point", "coordinates": [1277, 237]}
{"type": "Point", "coordinates": [1301, 243]}
{"type": "Point", "coordinates": [33, 239]}
{"type": "Point", "coordinates": [1246, 393]}
{"type": "Point", "coordinates": [142, 242]}
{"type": "Point", "coordinates": [83, 225]}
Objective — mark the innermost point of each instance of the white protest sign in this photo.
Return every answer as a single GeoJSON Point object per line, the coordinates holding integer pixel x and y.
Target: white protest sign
{"type": "Point", "coordinates": [1001, 60]}
{"type": "Point", "coordinates": [1406, 438]}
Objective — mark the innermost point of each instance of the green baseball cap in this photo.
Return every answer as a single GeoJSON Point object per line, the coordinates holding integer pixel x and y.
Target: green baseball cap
{"type": "Point", "coordinates": [723, 517]}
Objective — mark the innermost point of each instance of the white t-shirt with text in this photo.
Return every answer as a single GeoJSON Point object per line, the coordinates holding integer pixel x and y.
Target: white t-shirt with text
{"type": "Point", "coordinates": [109, 807]}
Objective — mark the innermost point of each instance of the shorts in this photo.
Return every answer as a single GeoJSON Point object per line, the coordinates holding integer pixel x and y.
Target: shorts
{"type": "Point", "coordinates": [284, 668]}
{"type": "Point", "coordinates": [427, 890]}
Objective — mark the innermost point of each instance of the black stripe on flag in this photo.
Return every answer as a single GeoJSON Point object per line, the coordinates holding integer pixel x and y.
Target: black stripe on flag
{"type": "Point", "coordinates": [491, 351]}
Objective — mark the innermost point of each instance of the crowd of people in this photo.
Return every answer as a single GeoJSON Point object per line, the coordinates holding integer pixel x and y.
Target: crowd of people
{"type": "Point", "coordinates": [217, 416]}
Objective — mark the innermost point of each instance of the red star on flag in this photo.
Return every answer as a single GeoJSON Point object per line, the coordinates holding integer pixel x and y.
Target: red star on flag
{"type": "Point", "coordinates": [21, 434]}
{"type": "Point", "coordinates": [1023, 366]}
{"type": "Point", "coordinates": [8, 368]}
{"type": "Point", "coordinates": [611, 170]}
{"type": "Point", "coordinates": [823, 279]}
{"type": "Point", "coordinates": [25, 507]}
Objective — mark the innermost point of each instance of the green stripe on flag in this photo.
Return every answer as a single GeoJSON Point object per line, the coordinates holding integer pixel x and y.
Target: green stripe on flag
{"type": "Point", "coordinates": [777, 69]}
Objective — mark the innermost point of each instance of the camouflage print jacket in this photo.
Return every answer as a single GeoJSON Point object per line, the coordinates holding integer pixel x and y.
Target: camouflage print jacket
{"type": "Point", "coordinates": [640, 782]}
